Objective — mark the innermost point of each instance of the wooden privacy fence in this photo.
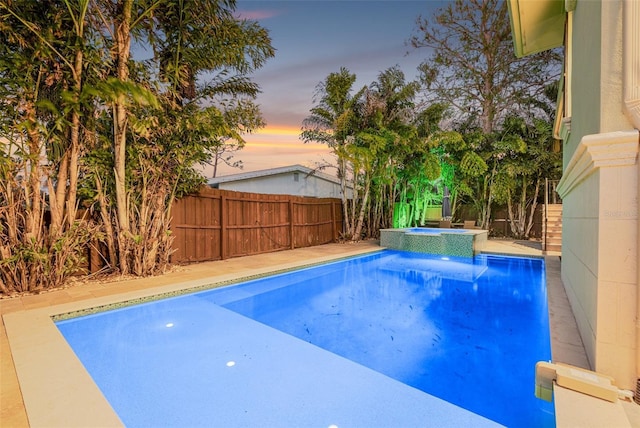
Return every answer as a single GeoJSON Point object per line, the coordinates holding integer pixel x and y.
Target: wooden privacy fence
{"type": "Point", "coordinates": [220, 224]}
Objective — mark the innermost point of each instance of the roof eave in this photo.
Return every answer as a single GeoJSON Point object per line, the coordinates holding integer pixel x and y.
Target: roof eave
{"type": "Point", "coordinates": [537, 25]}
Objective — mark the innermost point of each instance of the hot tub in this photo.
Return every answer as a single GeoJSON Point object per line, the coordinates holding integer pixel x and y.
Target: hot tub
{"type": "Point", "coordinates": [450, 242]}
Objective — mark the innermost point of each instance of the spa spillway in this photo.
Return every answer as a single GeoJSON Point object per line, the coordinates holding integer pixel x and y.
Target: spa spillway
{"type": "Point", "coordinates": [450, 242]}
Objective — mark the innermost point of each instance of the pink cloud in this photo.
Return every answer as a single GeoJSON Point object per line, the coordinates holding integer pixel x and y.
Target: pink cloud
{"type": "Point", "coordinates": [255, 15]}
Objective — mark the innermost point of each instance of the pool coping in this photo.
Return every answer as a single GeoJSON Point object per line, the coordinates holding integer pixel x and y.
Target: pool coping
{"type": "Point", "coordinates": [48, 383]}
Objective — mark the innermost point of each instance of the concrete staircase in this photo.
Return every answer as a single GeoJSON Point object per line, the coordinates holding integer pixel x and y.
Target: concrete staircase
{"type": "Point", "coordinates": [553, 232]}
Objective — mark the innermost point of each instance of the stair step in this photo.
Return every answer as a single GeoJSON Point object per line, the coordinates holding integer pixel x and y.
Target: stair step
{"type": "Point", "coordinates": [552, 228]}
{"type": "Point", "coordinates": [555, 228]}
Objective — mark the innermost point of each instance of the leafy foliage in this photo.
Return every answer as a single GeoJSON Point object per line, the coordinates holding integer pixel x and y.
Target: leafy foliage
{"type": "Point", "coordinates": [115, 135]}
{"type": "Point", "coordinates": [472, 65]}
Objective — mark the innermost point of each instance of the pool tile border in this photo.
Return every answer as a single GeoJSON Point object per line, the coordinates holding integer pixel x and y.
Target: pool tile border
{"type": "Point", "coordinates": [195, 289]}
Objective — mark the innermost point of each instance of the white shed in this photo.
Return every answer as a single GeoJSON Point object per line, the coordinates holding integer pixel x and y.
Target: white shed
{"type": "Point", "coordinates": [295, 180]}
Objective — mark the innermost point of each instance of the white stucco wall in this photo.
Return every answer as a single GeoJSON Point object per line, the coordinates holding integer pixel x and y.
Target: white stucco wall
{"type": "Point", "coordinates": [286, 184]}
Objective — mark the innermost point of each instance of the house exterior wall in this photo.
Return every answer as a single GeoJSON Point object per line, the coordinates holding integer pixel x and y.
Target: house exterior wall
{"type": "Point", "coordinates": [600, 196]}
{"type": "Point", "coordinates": [585, 74]}
{"type": "Point", "coordinates": [579, 258]}
{"type": "Point", "coordinates": [286, 184]}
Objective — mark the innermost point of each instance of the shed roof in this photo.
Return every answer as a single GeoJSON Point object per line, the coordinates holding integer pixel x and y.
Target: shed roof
{"type": "Point", "coordinates": [273, 171]}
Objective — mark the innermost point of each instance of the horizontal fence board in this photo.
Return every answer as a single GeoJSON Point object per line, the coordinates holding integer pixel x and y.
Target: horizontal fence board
{"type": "Point", "coordinates": [218, 224]}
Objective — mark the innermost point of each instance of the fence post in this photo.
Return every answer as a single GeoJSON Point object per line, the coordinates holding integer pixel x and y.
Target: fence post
{"type": "Point", "coordinates": [291, 228]}
{"type": "Point", "coordinates": [333, 221]}
{"type": "Point", "coordinates": [224, 231]}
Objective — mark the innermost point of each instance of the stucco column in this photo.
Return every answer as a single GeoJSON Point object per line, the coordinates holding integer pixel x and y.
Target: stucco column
{"type": "Point", "coordinates": [631, 105]}
{"type": "Point", "coordinates": [638, 287]}
{"type": "Point", "coordinates": [631, 60]}
{"type": "Point", "coordinates": [600, 249]}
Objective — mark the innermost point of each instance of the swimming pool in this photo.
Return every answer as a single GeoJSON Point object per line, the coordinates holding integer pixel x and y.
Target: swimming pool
{"type": "Point", "coordinates": [466, 330]}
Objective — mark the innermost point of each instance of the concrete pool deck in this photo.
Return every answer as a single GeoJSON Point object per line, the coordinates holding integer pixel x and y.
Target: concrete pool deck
{"type": "Point", "coordinates": [572, 409]}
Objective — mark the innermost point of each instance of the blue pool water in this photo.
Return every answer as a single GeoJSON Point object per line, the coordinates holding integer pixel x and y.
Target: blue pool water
{"type": "Point", "coordinates": [434, 230]}
{"type": "Point", "coordinates": [468, 331]}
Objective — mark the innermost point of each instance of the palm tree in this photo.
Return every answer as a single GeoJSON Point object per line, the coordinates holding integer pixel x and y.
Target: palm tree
{"type": "Point", "coordinates": [406, 159]}
{"type": "Point", "coordinates": [334, 121]}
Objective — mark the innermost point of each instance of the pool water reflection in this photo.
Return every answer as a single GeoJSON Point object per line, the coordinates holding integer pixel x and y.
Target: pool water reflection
{"type": "Point", "coordinates": [466, 330]}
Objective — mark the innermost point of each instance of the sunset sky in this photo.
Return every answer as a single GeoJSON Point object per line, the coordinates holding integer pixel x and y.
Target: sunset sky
{"type": "Point", "coordinates": [313, 38]}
